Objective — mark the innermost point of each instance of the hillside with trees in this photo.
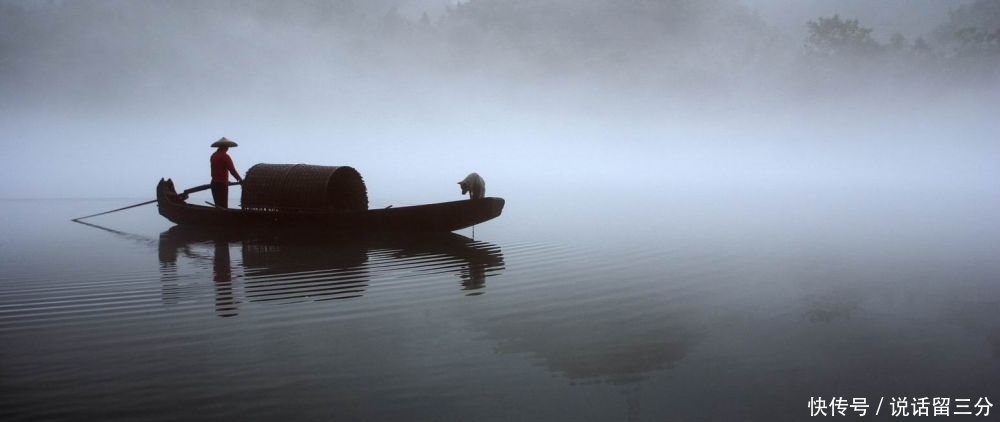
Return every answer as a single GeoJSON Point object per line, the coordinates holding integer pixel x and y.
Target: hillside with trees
{"type": "Point", "coordinates": [670, 48]}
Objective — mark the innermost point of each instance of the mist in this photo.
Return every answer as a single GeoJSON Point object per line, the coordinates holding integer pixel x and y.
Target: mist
{"type": "Point", "coordinates": [544, 98]}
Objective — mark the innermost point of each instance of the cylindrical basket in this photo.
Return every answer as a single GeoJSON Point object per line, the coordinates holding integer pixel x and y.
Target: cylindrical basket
{"type": "Point", "coordinates": [303, 186]}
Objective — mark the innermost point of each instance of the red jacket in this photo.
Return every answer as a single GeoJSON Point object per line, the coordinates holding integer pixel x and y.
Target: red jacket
{"type": "Point", "coordinates": [222, 167]}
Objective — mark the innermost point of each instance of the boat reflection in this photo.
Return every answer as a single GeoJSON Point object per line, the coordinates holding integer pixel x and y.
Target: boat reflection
{"type": "Point", "coordinates": [222, 270]}
{"type": "Point", "coordinates": [295, 266]}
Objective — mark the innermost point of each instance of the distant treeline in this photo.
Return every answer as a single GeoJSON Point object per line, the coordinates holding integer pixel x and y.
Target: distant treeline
{"type": "Point", "coordinates": [691, 46]}
{"type": "Point", "coordinates": [718, 41]}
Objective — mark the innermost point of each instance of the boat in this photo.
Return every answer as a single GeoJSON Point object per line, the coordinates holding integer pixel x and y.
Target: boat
{"type": "Point", "coordinates": [320, 198]}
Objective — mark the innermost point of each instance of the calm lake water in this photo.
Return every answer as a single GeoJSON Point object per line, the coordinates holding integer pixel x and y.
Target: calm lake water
{"type": "Point", "coordinates": [741, 305]}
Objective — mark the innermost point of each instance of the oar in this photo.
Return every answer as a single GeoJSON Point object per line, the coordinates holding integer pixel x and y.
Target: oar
{"type": "Point", "coordinates": [182, 194]}
{"type": "Point", "coordinates": [115, 210]}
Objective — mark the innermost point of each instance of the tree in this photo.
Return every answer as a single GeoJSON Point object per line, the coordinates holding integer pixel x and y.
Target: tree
{"type": "Point", "coordinates": [834, 36]}
{"type": "Point", "coordinates": [973, 29]}
{"type": "Point", "coordinates": [973, 39]}
{"type": "Point", "coordinates": [897, 42]}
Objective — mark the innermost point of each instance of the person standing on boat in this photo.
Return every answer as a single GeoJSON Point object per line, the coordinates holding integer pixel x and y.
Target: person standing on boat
{"type": "Point", "coordinates": [222, 167]}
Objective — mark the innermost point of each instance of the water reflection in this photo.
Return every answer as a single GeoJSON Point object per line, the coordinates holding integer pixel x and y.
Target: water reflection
{"type": "Point", "coordinates": [287, 266]}
{"type": "Point", "coordinates": [620, 334]}
{"type": "Point", "coordinates": [633, 324]}
{"type": "Point", "coordinates": [620, 350]}
{"type": "Point", "coordinates": [225, 302]}
{"type": "Point", "coordinates": [831, 310]}
{"type": "Point", "coordinates": [973, 315]}
{"type": "Point", "coordinates": [291, 267]}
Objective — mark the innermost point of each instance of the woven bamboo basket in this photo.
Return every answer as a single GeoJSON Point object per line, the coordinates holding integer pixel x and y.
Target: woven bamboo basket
{"type": "Point", "coordinates": [303, 186]}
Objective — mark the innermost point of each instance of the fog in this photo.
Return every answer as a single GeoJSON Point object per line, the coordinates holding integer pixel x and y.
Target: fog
{"type": "Point", "coordinates": [911, 18]}
{"type": "Point", "coordinates": [559, 97]}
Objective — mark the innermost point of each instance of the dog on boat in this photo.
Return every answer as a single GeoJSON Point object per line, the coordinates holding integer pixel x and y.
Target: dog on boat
{"type": "Point", "coordinates": [474, 185]}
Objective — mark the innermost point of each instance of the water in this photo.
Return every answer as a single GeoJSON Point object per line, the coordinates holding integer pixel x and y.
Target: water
{"type": "Point", "coordinates": [683, 306]}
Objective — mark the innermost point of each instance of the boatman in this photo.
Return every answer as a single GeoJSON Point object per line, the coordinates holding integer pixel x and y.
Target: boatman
{"type": "Point", "coordinates": [222, 167]}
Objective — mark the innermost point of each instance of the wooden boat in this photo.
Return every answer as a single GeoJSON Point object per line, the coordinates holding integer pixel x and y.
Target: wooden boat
{"type": "Point", "coordinates": [437, 217]}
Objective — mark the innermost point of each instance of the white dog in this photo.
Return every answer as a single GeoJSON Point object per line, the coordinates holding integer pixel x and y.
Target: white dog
{"type": "Point", "coordinates": [474, 185]}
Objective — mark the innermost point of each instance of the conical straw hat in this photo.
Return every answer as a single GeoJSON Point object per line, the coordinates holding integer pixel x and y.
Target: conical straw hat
{"type": "Point", "coordinates": [223, 142]}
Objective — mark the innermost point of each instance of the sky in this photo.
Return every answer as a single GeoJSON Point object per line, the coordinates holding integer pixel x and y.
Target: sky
{"type": "Point", "coordinates": [101, 98]}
